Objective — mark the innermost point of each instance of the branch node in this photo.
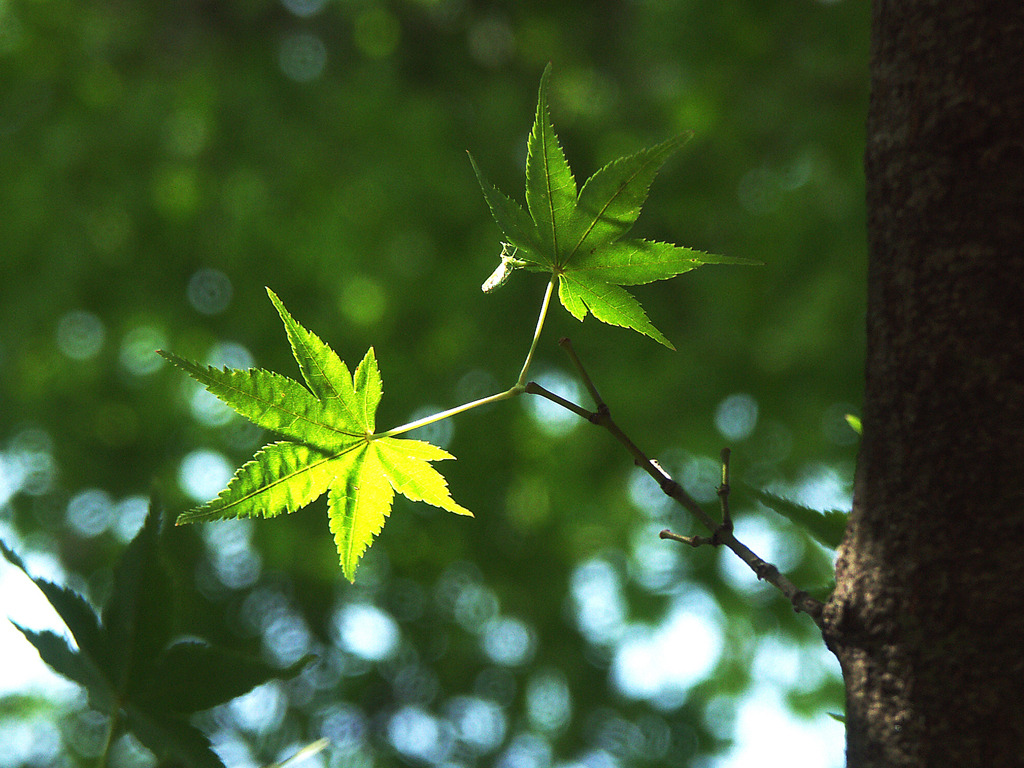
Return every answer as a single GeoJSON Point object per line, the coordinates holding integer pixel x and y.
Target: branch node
{"type": "Point", "coordinates": [766, 572]}
{"type": "Point", "coordinates": [669, 486]}
{"type": "Point", "coordinates": [721, 533]}
{"type": "Point", "coordinates": [803, 602]}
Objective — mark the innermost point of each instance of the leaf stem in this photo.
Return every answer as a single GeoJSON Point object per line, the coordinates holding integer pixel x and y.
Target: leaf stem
{"type": "Point", "coordinates": [517, 389]}
{"type": "Point", "coordinates": [545, 302]}
{"type": "Point", "coordinates": [440, 416]}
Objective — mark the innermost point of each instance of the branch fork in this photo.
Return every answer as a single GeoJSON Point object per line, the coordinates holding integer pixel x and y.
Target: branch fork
{"type": "Point", "coordinates": [721, 533]}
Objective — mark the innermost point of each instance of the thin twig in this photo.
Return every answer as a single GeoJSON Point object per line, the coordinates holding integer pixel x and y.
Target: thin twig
{"type": "Point", "coordinates": [604, 419]}
{"type": "Point", "coordinates": [533, 388]}
{"type": "Point", "coordinates": [723, 492]}
{"type": "Point", "coordinates": [721, 534]}
{"type": "Point", "coordinates": [566, 344]}
{"type": "Point", "coordinates": [693, 541]}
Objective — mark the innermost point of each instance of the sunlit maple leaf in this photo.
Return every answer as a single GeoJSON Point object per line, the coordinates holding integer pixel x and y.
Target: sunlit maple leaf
{"type": "Point", "coordinates": [575, 236]}
{"type": "Point", "coordinates": [330, 447]}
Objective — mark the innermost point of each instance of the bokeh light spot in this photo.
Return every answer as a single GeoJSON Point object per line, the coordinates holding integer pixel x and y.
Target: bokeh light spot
{"type": "Point", "coordinates": [701, 476]}
{"type": "Point", "coordinates": [548, 701]}
{"type": "Point", "coordinates": [304, 8]}
{"type": "Point", "coordinates": [261, 710]}
{"type": "Point", "coordinates": [823, 487]}
{"type": "Point", "coordinates": [418, 735]}
{"type": "Point", "coordinates": [736, 416]}
{"type": "Point", "coordinates": [86, 731]}
{"type": "Point", "coordinates": [555, 420]}
{"type": "Point", "coordinates": [781, 546]}
{"type": "Point", "coordinates": [206, 408]}
{"type": "Point", "coordinates": [302, 57]}
{"type": "Point", "coordinates": [80, 334]}
{"type": "Point", "coordinates": [479, 724]}
{"type": "Point", "coordinates": [772, 443]}
{"type": "Point", "coordinates": [229, 547]}
{"type": "Point", "coordinates": [138, 350]}
{"type": "Point", "coordinates": [89, 512]}
{"type": "Point", "coordinates": [475, 606]}
{"type": "Point", "coordinates": [229, 354]}
{"type": "Point", "coordinates": [508, 641]}
{"type": "Point", "coordinates": [286, 638]}
{"type": "Point", "coordinates": [646, 495]}
{"type": "Point", "coordinates": [128, 516]}
{"type": "Point", "coordinates": [366, 631]}
{"type": "Point", "coordinates": [526, 750]}
{"type": "Point", "coordinates": [209, 291]}
{"type": "Point", "coordinates": [415, 684]}
{"type": "Point", "coordinates": [27, 466]}
{"type": "Point", "coordinates": [346, 727]}
{"type": "Point", "coordinates": [769, 736]}
{"type": "Point", "coordinates": [30, 741]}
{"type": "Point", "coordinates": [203, 474]}
{"type": "Point", "coordinates": [597, 598]}
{"type": "Point", "coordinates": [653, 565]}
{"type": "Point", "coordinates": [661, 663]}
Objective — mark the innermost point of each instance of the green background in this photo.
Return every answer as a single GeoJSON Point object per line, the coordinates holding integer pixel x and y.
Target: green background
{"type": "Point", "coordinates": [161, 163]}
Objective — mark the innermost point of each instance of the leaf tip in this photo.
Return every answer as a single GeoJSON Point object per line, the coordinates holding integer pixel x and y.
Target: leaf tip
{"type": "Point", "coordinates": [278, 304]}
{"type": "Point", "coordinates": [187, 517]}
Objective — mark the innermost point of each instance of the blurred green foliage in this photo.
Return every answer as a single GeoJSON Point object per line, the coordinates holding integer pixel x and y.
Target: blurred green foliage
{"type": "Point", "coordinates": [131, 665]}
{"type": "Point", "coordinates": [161, 163]}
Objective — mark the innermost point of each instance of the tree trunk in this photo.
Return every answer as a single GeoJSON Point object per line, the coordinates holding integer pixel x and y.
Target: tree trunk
{"type": "Point", "coordinates": [928, 615]}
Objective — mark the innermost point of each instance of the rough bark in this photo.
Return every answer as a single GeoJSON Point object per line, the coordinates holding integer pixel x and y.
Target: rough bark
{"type": "Point", "coordinates": [928, 616]}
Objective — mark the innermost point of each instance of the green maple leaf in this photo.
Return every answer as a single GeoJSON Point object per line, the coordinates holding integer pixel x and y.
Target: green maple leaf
{"type": "Point", "coordinates": [576, 236]}
{"type": "Point", "coordinates": [129, 662]}
{"type": "Point", "coordinates": [331, 446]}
